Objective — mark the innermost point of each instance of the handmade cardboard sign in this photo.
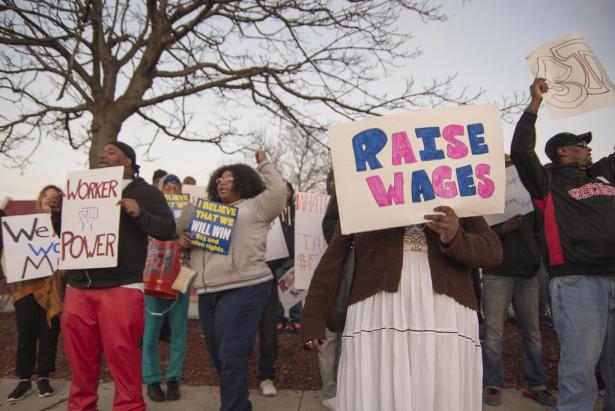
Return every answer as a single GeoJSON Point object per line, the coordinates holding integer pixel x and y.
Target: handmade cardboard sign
{"type": "Point", "coordinates": [91, 218]}
{"type": "Point", "coordinates": [517, 199]}
{"type": "Point", "coordinates": [289, 295]}
{"type": "Point", "coordinates": [577, 80]}
{"type": "Point", "coordinates": [276, 243]}
{"type": "Point", "coordinates": [31, 248]}
{"type": "Point", "coordinates": [195, 192]}
{"type": "Point", "coordinates": [212, 226]}
{"type": "Point", "coordinates": [310, 243]}
{"type": "Point", "coordinates": [390, 171]}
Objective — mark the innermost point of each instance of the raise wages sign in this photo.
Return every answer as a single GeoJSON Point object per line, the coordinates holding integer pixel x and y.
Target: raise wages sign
{"type": "Point", "coordinates": [91, 218]}
{"type": "Point", "coordinates": [390, 171]}
{"type": "Point", "coordinates": [31, 247]}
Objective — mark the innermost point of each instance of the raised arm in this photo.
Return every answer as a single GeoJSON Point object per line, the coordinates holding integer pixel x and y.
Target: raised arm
{"type": "Point", "coordinates": [270, 203]}
{"type": "Point", "coordinates": [522, 150]}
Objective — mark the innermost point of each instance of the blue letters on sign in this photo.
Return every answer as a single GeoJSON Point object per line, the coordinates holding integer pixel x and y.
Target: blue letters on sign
{"type": "Point", "coordinates": [465, 181]}
{"type": "Point", "coordinates": [429, 135]}
{"type": "Point", "coordinates": [421, 185]}
{"type": "Point", "coordinates": [477, 139]}
{"type": "Point", "coordinates": [366, 145]}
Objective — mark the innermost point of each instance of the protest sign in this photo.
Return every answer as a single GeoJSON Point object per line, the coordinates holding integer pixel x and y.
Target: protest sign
{"type": "Point", "coordinates": [276, 243]}
{"type": "Point", "coordinates": [195, 192]}
{"type": "Point", "coordinates": [577, 81]}
{"type": "Point", "coordinates": [31, 248]}
{"type": "Point", "coordinates": [390, 171]}
{"type": "Point", "coordinates": [212, 226]}
{"type": "Point", "coordinates": [517, 200]}
{"type": "Point", "coordinates": [310, 243]}
{"type": "Point", "coordinates": [177, 202]}
{"type": "Point", "coordinates": [91, 218]}
{"type": "Point", "coordinates": [289, 296]}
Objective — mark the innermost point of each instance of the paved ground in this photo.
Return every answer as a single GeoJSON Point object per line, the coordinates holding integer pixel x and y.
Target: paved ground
{"type": "Point", "coordinates": [207, 399]}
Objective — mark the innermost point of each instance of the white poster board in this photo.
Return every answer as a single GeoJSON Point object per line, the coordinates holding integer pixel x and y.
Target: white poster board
{"type": "Point", "coordinates": [577, 81]}
{"type": "Point", "coordinates": [91, 218]}
{"type": "Point", "coordinates": [310, 243]}
{"type": "Point", "coordinates": [288, 294]}
{"type": "Point", "coordinates": [31, 248]}
{"type": "Point", "coordinates": [390, 171]}
{"type": "Point", "coordinates": [276, 243]}
{"type": "Point", "coordinates": [196, 192]}
{"type": "Point", "coordinates": [517, 200]}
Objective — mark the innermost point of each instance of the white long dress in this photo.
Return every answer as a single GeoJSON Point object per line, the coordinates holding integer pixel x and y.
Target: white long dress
{"type": "Point", "coordinates": [413, 349]}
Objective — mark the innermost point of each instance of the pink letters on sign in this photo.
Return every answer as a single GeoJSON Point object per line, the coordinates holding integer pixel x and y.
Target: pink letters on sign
{"type": "Point", "coordinates": [486, 187]}
{"type": "Point", "coordinates": [401, 149]}
{"type": "Point", "coordinates": [455, 149]}
{"type": "Point", "coordinates": [442, 184]}
{"type": "Point", "coordinates": [383, 197]}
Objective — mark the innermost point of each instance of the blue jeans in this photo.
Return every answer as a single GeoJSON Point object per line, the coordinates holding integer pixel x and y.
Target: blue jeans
{"type": "Point", "coordinates": [583, 309]}
{"type": "Point", "coordinates": [230, 319]}
{"type": "Point", "coordinates": [295, 311]}
{"type": "Point", "coordinates": [498, 292]}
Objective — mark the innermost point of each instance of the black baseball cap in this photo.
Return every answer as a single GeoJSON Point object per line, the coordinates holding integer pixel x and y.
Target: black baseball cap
{"type": "Point", "coordinates": [565, 139]}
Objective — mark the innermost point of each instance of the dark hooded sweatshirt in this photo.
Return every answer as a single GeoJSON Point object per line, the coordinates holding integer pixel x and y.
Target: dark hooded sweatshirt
{"type": "Point", "coordinates": [155, 220]}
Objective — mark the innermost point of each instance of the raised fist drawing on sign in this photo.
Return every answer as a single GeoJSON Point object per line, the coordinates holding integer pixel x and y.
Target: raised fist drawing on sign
{"type": "Point", "coordinates": [88, 215]}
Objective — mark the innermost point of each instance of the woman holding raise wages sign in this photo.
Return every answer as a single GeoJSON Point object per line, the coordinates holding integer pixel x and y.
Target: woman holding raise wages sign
{"type": "Point", "coordinates": [411, 336]}
{"type": "Point", "coordinates": [233, 288]}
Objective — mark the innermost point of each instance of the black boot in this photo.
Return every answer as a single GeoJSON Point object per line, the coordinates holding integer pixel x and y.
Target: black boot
{"type": "Point", "coordinates": [173, 390]}
{"type": "Point", "coordinates": [155, 393]}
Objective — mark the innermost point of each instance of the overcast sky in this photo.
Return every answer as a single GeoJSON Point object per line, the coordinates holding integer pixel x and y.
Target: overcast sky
{"type": "Point", "coordinates": [484, 41]}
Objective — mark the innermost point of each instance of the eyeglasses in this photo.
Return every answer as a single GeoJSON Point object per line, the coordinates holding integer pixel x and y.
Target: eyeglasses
{"type": "Point", "coordinates": [582, 144]}
{"type": "Point", "coordinates": [220, 180]}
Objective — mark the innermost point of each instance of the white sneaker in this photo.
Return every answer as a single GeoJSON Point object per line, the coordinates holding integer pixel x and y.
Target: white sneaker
{"type": "Point", "coordinates": [268, 389]}
{"type": "Point", "coordinates": [329, 403]}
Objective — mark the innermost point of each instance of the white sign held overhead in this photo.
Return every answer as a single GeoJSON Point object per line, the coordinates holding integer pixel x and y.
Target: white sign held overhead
{"type": "Point", "coordinates": [577, 81]}
{"type": "Point", "coordinates": [91, 218]}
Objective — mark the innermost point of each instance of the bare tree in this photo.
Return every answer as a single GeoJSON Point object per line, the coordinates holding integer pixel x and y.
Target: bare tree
{"type": "Point", "coordinates": [77, 70]}
{"type": "Point", "coordinates": [302, 161]}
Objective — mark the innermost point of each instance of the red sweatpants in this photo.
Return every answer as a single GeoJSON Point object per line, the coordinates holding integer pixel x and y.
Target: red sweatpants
{"type": "Point", "coordinates": [108, 321]}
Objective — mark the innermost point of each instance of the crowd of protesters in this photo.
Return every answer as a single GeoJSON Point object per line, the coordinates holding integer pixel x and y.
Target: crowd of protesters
{"type": "Point", "coordinates": [412, 339]}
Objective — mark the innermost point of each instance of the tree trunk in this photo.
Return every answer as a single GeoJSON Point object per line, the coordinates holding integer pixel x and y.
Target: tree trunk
{"type": "Point", "coordinates": [105, 128]}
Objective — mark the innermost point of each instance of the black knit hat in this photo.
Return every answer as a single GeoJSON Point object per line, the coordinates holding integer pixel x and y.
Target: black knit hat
{"type": "Point", "coordinates": [564, 139]}
{"type": "Point", "coordinates": [129, 152]}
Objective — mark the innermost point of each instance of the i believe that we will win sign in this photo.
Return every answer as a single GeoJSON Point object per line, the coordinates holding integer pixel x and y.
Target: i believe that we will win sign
{"type": "Point", "coordinates": [390, 171]}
